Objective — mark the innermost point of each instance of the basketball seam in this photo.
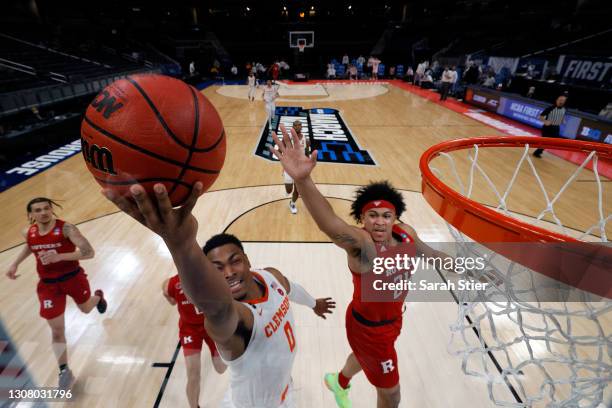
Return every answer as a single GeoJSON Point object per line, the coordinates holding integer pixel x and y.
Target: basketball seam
{"type": "Point", "coordinates": [194, 140]}
{"type": "Point", "coordinates": [161, 120]}
{"type": "Point", "coordinates": [145, 151]}
{"type": "Point", "coordinates": [144, 180]}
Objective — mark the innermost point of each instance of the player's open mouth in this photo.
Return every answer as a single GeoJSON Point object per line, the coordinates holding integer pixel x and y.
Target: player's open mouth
{"type": "Point", "coordinates": [235, 286]}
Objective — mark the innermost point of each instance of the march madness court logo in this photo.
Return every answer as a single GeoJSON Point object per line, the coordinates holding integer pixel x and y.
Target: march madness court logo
{"type": "Point", "coordinates": [327, 132]}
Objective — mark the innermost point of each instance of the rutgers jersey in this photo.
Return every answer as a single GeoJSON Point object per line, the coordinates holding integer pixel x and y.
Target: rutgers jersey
{"type": "Point", "coordinates": [386, 309]}
{"type": "Point", "coordinates": [189, 314]}
{"type": "Point", "coordinates": [261, 376]}
{"type": "Point", "coordinates": [53, 241]}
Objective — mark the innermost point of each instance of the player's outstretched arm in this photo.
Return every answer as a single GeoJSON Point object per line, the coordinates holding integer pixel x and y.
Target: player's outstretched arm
{"type": "Point", "coordinates": [299, 295]}
{"type": "Point", "coordinates": [299, 167]}
{"type": "Point", "coordinates": [25, 252]}
{"type": "Point", "coordinates": [202, 283]}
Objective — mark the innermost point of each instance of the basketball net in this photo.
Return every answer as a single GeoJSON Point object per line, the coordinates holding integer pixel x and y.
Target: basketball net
{"type": "Point", "coordinates": [301, 46]}
{"type": "Point", "coordinates": [531, 353]}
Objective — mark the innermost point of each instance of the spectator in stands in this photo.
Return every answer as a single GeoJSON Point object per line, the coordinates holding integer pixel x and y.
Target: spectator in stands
{"type": "Point", "coordinates": [248, 67]}
{"type": "Point", "coordinates": [420, 72]}
{"type": "Point", "coordinates": [360, 60]}
{"type": "Point", "coordinates": [489, 82]}
{"type": "Point", "coordinates": [606, 113]}
{"type": "Point", "coordinates": [447, 81]}
{"type": "Point", "coordinates": [345, 60]}
{"type": "Point", "coordinates": [352, 72]}
{"type": "Point", "coordinates": [234, 70]}
{"type": "Point", "coordinates": [284, 67]}
{"type": "Point", "coordinates": [375, 63]}
{"type": "Point", "coordinates": [274, 71]}
{"type": "Point", "coordinates": [531, 91]}
{"type": "Point", "coordinates": [331, 71]}
{"type": "Point", "coordinates": [472, 73]}
{"type": "Point", "coordinates": [260, 70]}
{"type": "Point", "coordinates": [192, 68]}
{"type": "Point", "coordinates": [392, 71]}
{"type": "Point", "coordinates": [409, 74]}
{"type": "Point", "coordinates": [454, 74]}
{"type": "Point", "coordinates": [530, 71]}
{"type": "Point", "coordinates": [552, 117]}
{"type": "Point", "coordinates": [36, 113]}
{"type": "Point", "coordinates": [427, 81]}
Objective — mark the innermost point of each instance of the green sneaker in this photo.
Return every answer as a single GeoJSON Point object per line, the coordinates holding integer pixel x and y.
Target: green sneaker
{"type": "Point", "coordinates": [341, 394]}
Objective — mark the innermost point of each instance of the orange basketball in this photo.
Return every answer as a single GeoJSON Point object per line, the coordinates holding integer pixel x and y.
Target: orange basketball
{"type": "Point", "coordinates": [152, 129]}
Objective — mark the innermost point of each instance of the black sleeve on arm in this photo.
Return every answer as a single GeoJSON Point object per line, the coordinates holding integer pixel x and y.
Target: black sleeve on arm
{"type": "Point", "coordinates": [546, 111]}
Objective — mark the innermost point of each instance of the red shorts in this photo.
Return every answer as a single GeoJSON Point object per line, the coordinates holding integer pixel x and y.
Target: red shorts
{"type": "Point", "coordinates": [374, 348]}
{"type": "Point", "coordinates": [192, 336]}
{"type": "Point", "coordinates": [52, 296]}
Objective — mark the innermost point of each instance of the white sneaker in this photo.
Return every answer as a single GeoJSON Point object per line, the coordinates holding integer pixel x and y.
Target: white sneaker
{"type": "Point", "coordinates": [292, 207]}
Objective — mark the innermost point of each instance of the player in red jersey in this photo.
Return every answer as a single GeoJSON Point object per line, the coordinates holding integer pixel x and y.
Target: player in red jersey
{"type": "Point", "coordinates": [192, 334]}
{"type": "Point", "coordinates": [58, 246]}
{"type": "Point", "coordinates": [371, 326]}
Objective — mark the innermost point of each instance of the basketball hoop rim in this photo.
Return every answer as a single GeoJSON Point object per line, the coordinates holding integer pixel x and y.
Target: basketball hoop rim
{"type": "Point", "coordinates": [455, 208]}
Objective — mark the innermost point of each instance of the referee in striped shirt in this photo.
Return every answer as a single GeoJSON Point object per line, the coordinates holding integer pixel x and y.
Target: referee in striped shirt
{"type": "Point", "coordinates": [552, 117]}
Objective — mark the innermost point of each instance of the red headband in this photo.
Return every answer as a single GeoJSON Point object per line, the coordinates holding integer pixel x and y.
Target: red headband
{"type": "Point", "coordinates": [377, 204]}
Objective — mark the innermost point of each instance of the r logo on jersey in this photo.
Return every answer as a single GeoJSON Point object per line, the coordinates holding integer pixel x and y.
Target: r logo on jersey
{"type": "Point", "coordinates": [47, 304]}
{"type": "Point", "coordinates": [56, 231]}
{"type": "Point", "coordinates": [187, 340]}
{"type": "Point", "coordinates": [387, 366]}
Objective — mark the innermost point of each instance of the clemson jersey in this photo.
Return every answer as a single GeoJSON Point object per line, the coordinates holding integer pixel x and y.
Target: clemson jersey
{"type": "Point", "coordinates": [261, 376]}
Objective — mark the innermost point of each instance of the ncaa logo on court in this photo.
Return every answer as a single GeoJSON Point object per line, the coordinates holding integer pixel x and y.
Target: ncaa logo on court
{"type": "Point", "coordinates": [327, 133]}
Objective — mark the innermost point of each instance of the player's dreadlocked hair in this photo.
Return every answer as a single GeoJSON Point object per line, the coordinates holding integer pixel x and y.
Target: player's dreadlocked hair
{"type": "Point", "coordinates": [41, 200]}
{"type": "Point", "coordinates": [219, 240]}
{"type": "Point", "coordinates": [381, 190]}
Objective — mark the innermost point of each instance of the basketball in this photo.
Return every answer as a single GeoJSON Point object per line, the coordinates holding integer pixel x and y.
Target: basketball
{"type": "Point", "coordinates": [150, 129]}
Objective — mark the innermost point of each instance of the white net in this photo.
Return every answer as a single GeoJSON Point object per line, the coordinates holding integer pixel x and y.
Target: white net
{"type": "Point", "coordinates": [531, 352]}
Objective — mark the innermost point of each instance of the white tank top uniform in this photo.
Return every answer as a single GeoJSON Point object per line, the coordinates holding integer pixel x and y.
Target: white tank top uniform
{"type": "Point", "coordinates": [269, 94]}
{"type": "Point", "coordinates": [261, 376]}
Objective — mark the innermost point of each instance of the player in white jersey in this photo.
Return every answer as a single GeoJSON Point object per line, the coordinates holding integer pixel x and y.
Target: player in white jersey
{"type": "Point", "coordinates": [289, 185]}
{"type": "Point", "coordinates": [252, 81]}
{"type": "Point", "coordinates": [247, 313]}
{"type": "Point", "coordinates": [270, 93]}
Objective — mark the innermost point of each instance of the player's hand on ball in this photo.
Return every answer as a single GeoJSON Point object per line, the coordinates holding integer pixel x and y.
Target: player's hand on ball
{"type": "Point", "coordinates": [175, 225]}
{"type": "Point", "coordinates": [323, 306]}
{"type": "Point", "coordinates": [292, 156]}
{"type": "Point", "coordinates": [12, 272]}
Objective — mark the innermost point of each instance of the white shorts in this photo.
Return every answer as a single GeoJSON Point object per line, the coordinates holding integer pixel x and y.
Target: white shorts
{"type": "Point", "coordinates": [228, 403]}
{"type": "Point", "coordinates": [287, 178]}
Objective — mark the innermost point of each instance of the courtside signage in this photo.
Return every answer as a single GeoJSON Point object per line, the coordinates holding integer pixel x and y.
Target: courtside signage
{"type": "Point", "coordinates": [327, 131]}
{"type": "Point", "coordinates": [35, 165]}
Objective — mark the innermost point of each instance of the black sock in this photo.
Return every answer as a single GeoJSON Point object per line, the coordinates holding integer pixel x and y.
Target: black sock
{"type": "Point", "coordinates": [63, 367]}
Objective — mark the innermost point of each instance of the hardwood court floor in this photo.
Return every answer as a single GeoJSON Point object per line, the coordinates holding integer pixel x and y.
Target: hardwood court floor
{"type": "Point", "coordinates": [112, 355]}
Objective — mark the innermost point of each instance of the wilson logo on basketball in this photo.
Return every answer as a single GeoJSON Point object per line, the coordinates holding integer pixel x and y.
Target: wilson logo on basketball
{"type": "Point", "coordinates": [106, 103]}
{"type": "Point", "coordinates": [98, 157]}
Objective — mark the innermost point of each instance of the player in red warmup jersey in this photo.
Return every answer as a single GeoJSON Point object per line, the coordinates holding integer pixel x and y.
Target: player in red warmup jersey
{"type": "Point", "coordinates": [371, 326]}
{"type": "Point", "coordinates": [192, 334]}
{"type": "Point", "coordinates": [58, 246]}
